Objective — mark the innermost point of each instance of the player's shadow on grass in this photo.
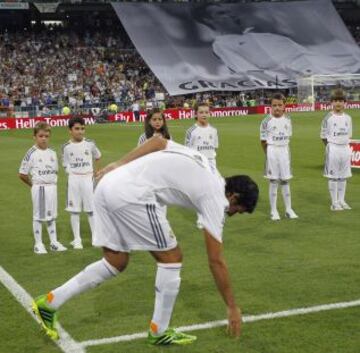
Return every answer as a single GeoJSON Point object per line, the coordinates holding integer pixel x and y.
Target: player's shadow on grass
{"type": "Point", "coordinates": [319, 167]}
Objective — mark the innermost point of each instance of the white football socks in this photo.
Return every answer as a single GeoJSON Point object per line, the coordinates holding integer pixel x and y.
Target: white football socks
{"type": "Point", "coordinates": [333, 189]}
{"type": "Point", "coordinates": [341, 189]}
{"type": "Point", "coordinates": [273, 187]}
{"type": "Point", "coordinates": [75, 225]}
{"type": "Point", "coordinates": [51, 228]}
{"type": "Point", "coordinates": [285, 190]}
{"type": "Point", "coordinates": [37, 229]}
{"type": "Point", "coordinates": [90, 277]}
{"type": "Point", "coordinates": [167, 287]}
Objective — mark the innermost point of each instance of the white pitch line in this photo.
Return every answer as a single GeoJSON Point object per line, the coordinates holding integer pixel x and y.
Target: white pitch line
{"type": "Point", "coordinates": [66, 343]}
{"type": "Point", "coordinates": [213, 324]}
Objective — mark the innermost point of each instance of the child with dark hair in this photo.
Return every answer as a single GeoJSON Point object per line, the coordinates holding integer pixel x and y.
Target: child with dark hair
{"type": "Point", "coordinates": [79, 155]}
{"type": "Point", "coordinates": [275, 133]}
{"type": "Point", "coordinates": [155, 125]}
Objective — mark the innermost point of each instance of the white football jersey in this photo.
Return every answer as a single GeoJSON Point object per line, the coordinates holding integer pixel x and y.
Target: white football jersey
{"type": "Point", "coordinates": [78, 157]}
{"type": "Point", "coordinates": [42, 165]}
{"type": "Point", "coordinates": [276, 131]}
{"type": "Point", "coordinates": [203, 139]}
{"type": "Point", "coordinates": [188, 182]}
{"type": "Point", "coordinates": [336, 129]}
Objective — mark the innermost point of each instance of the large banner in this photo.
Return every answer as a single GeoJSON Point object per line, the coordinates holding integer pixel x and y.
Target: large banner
{"type": "Point", "coordinates": [193, 47]}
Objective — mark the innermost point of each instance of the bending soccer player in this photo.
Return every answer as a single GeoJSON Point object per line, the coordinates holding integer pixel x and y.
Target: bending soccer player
{"type": "Point", "coordinates": [275, 133]}
{"type": "Point", "coordinates": [128, 217]}
{"type": "Point", "coordinates": [336, 131]}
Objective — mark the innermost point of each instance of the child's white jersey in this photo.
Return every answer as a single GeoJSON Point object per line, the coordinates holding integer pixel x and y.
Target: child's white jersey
{"type": "Point", "coordinates": [336, 128]}
{"type": "Point", "coordinates": [78, 157]}
{"type": "Point", "coordinates": [41, 165]}
{"type": "Point", "coordinates": [203, 139]}
{"type": "Point", "coordinates": [276, 131]}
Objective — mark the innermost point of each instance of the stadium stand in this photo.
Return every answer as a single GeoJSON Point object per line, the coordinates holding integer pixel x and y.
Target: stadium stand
{"type": "Point", "coordinates": [90, 64]}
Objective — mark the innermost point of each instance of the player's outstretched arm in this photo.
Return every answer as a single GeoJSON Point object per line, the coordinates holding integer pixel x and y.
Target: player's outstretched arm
{"type": "Point", "coordinates": [25, 178]}
{"type": "Point", "coordinates": [220, 272]}
{"type": "Point", "coordinates": [153, 144]}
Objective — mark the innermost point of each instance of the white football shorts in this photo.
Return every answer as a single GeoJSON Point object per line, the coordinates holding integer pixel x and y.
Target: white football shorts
{"type": "Point", "coordinates": [80, 193]}
{"type": "Point", "coordinates": [44, 200]}
{"type": "Point", "coordinates": [131, 226]}
{"type": "Point", "coordinates": [277, 165]}
{"type": "Point", "coordinates": [337, 161]}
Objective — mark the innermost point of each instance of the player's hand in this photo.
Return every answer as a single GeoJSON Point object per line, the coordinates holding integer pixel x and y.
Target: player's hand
{"type": "Point", "coordinates": [234, 319]}
{"type": "Point", "coordinates": [100, 173]}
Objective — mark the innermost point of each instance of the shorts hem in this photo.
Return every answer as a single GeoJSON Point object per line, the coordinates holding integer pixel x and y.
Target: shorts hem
{"type": "Point", "coordinates": [336, 177]}
{"type": "Point", "coordinates": [133, 248]}
{"type": "Point", "coordinates": [275, 178]}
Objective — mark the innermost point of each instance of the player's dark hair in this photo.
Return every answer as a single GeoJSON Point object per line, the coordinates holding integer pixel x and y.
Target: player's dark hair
{"type": "Point", "coordinates": [278, 96]}
{"type": "Point", "coordinates": [149, 130]}
{"type": "Point", "coordinates": [42, 126]}
{"type": "Point", "coordinates": [246, 190]}
{"type": "Point", "coordinates": [76, 120]}
{"type": "Point", "coordinates": [338, 95]}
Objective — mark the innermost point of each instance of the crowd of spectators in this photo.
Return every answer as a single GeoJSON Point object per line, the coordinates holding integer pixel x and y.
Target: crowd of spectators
{"type": "Point", "coordinates": [45, 69]}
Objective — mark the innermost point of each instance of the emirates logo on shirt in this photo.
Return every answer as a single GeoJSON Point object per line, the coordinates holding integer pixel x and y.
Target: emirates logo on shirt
{"type": "Point", "coordinates": [87, 152]}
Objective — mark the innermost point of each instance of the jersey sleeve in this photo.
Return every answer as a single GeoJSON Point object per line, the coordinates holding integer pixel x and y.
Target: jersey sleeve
{"type": "Point", "coordinates": [350, 127]}
{"type": "Point", "coordinates": [25, 165]}
{"type": "Point", "coordinates": [324, 132]}
{"type": "Point", "coordinates": [213, 216]}
{"type": "Point", "coordinates": [56, 162]}
{"type": "Point", "coordinates": [141, 140]}
{"type": "Point", "coordinates": [95, 151]}
{"type": "Point", "coordinates": [188, 139]}
{"type": "Point", "coordinates": [64, 157]}
{"type": "Point", "coordinates": [263, 130]}
{"type": "Point", "coordinates": [290, 128]}
{"type": "Point", "coordinates": [216, 139]}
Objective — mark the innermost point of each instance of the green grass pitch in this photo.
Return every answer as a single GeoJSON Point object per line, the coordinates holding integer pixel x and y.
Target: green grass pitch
{"type": "Point", "coordinates": [274, 266]}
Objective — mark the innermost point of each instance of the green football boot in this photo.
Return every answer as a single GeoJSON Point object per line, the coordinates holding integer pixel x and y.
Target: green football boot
{"type": "Point", "coordinates": [46, 315]}
{"type": "Point", "coordinates": [171, 336]}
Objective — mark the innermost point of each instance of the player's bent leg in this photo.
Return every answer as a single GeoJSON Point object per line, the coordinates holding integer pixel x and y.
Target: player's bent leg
{"type": "Point", "coordinates": [45, 306]}
{"type": "Point", "coordinates": [167, 285]}
{"type": "Point", "coordinates": [117, 259]}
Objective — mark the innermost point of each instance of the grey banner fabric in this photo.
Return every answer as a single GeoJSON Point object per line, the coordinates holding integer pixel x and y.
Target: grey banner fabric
{"type": "Point", "coordinates": [194, 47]}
